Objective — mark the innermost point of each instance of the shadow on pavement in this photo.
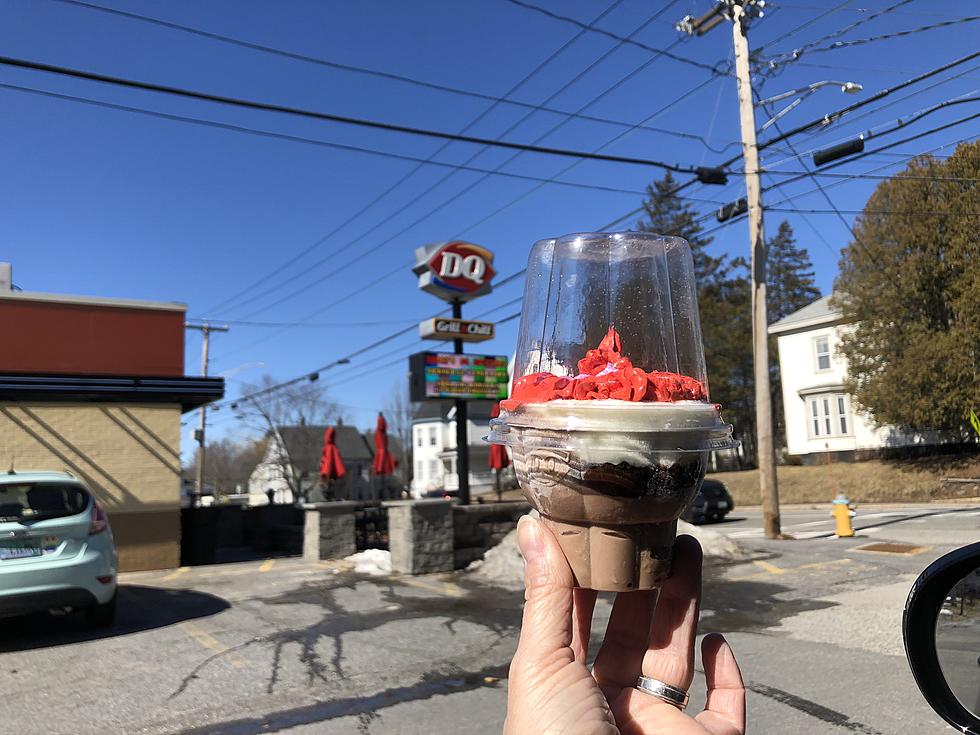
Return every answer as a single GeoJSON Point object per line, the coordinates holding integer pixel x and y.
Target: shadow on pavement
{"type": "Point", "coordinates": [139, 608]}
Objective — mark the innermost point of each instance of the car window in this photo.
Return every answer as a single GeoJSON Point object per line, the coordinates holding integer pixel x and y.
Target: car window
{"type": "Point", "coordinates": [38, 500]}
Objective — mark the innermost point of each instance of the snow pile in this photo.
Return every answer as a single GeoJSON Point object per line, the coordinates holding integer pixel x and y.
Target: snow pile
{"type": "Point", "coordinates": [714, 544]}
{"type": "Point", "coordinates": [371, 561]}
{"type": "Point", "coordinates": [503, 565]}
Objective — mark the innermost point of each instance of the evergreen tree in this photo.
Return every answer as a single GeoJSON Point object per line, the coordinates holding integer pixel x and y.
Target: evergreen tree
{"type": "Point", "coordinates": [908, 289]}
{"type": "Point", "coordinates": [789, 275]}
{"type": "Point", "coordinates": [723, 299]}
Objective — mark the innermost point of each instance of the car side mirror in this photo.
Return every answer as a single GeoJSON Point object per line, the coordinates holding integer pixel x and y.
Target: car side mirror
{"type": "Point", "coordinates": [941, 628]}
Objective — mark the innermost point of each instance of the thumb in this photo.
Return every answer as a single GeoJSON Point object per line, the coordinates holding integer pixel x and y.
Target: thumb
{"type": "Point", "coordinates": [548, 583]}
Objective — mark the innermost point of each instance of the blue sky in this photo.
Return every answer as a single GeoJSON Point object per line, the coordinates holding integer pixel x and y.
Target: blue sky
{"type": "Point", "coordinates": [104, 202]}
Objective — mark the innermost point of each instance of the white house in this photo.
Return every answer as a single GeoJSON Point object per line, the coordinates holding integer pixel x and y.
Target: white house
{"type": "Point", "coordinates": [434, 447]}
{"type": "Point", "coordinates": [820, 416]}
{"type": "Point", "coordinates": [296, 449]}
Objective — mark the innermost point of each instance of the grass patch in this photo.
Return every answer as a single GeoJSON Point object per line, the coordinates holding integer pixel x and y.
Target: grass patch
{"type": "Point", "coordinates": [874, 481]}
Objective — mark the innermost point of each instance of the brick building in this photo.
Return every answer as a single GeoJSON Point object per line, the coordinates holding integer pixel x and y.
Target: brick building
{"type": "Point", "coordinates": [96, 387]}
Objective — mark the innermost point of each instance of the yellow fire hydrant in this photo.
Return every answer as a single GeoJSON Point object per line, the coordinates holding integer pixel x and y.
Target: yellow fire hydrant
{"type": "Point", "coordinates": [843, 512]}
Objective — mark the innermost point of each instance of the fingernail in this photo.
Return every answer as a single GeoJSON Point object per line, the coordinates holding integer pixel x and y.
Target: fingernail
{"type": "Point", "coordinates": [529, 539]}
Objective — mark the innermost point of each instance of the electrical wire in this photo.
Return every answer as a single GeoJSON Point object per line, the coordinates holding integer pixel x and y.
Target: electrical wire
{"type": "Point", "coordinates": [797, 52]}
{"type": "Point", "coordinates": [459, 193]}
{"type": "Point", "coordinates": [367, 207]}
{"type": "Point", "coordinates": [343, 360]}
{"type": "Point", "coordinates": [310, 141]}
{"type": "Point", "coordinates": [465, 190]}
{"type": "Point", "coordinates": [878, 130]}
{"type": "Point", "coordinates": [896, 34]}
{"type": "Point", "coordinates": [800, 27]}
{"type": "Point", "coordinates": [622, 39]}
{"type": "Point", "coordinates": [350, 68]}
{"type": "Point", "coordinates": [329, 117]}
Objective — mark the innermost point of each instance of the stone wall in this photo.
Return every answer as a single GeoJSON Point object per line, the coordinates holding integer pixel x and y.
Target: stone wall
{"type": "Point", "coordinates": [420, 535]}
{"type": "Point", "coordinates": [477, 528]}
{"type": "Point", "coordinates": [329, 531]}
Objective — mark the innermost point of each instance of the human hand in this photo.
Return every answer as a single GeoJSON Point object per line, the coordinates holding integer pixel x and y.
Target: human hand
{"type": "Point", "coordinates": [551, 690]}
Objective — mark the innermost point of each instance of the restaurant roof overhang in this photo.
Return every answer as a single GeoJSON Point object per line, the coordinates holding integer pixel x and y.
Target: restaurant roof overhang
{"type": "Point", "coordinates": [189, 392]}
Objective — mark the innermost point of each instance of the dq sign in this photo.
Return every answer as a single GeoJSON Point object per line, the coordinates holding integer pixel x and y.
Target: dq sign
{"type": "Point", "coordinates": [454, 271]}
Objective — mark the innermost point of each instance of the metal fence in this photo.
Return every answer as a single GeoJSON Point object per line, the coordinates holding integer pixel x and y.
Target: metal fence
{"type": "Point", "coordinates": [371, 526]}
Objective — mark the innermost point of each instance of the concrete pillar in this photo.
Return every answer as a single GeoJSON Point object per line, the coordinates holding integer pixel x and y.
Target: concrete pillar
{"type": "Point", "coordinates": [328, 530]}
{"type": "Point", "coordinates": [420, 535]}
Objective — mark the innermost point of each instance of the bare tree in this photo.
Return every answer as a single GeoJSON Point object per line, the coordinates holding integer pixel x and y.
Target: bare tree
{"type": "Point", "coordinates": [230, 464]}
{"type": "Point", "coordinates": [274, 410]}
{"type": "Point", "coordinates": [398, 411]}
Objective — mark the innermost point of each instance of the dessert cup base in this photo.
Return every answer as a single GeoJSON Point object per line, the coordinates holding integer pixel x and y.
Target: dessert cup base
{"type": "Point", "coordinates": [616, 558]}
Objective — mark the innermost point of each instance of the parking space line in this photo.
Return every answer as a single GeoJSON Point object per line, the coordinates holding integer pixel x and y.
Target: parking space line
{"type": "Point", "coordinates": [176, 573]}
{"type": "Point", "coordinates": [267, 565]}
{"type": "Point", "coordinates": [213, 644]}
{"type": "Point", "coordinates": [772, 569]}
{"type": "Point", "coordinates": [444, 588]}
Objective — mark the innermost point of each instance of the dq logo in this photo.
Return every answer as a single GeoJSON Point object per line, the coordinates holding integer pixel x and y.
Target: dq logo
{"type": "Point", "coordinates": [461, 266]}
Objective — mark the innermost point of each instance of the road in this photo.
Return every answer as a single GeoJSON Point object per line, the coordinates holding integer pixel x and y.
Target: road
{"type": "Point", "coordinates": [287, 646]}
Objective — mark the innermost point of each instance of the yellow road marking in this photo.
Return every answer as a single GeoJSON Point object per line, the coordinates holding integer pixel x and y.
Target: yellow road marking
{"type": "Point", "coordinates": [213, 644]}
{"type": "Point", "coordinates": [446, 588]}
{"type": "Point", "coordinates": [176, 573]}
{"type": "Point", "coordinates": [267, 565]}
{"type": "Point", "coordinates": [771, 568]}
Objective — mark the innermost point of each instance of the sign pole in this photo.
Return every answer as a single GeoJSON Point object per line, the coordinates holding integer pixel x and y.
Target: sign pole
{"type": "Point", "coordinates": [462, 426]}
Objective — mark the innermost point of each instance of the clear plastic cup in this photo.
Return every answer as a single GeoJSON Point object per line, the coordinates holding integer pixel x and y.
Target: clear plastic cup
{"type": "Point", "coordinates": [609, 420]}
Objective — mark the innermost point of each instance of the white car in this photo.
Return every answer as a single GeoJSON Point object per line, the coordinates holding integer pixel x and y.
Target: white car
{"type": "Point", "coordinates": [56, 547]}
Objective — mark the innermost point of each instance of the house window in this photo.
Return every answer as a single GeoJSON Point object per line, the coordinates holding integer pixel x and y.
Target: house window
{"type": "Point", "coordinates": [432, 436]}
{"type": "Point", "coordinates": [418, 437]}
{"type": "Point", "coordinates": [420, 468]}
{"type": "Point", "coordinates": [821, 346]}
{"type": "Point", "coordinates": [433, 468]}
{"type": "Point", "coordinates": [828, 415]}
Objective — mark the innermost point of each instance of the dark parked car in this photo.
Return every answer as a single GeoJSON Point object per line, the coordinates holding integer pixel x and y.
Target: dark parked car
{"type": "Point", "coordinates": [712, 503]}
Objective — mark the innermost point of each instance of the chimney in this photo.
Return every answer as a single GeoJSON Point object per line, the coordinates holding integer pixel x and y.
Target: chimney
{"type": "Point", "coordinates": [6, 278]}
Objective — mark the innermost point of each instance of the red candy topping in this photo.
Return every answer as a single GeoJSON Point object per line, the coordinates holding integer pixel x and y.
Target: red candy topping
{"type": "Point", "coordinates": [605, 374]}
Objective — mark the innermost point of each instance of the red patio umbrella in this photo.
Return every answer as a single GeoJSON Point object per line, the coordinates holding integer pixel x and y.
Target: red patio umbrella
{"type": "Point", "coordinates": [498, 458]}
{"type": "Point", "coordinates": [331, 463]}
{"type": "Point", "coordinates": [384, 460]}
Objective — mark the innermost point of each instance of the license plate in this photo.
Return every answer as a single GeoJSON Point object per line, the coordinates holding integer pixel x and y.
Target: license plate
{"type": "Point", "coordinates": [19, 552]}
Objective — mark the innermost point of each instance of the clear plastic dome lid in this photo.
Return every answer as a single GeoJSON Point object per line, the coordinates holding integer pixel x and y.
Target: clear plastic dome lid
{"type": "Point", "coordinates": [597, 297]}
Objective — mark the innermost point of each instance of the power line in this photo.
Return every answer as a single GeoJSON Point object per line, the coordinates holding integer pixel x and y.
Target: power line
{"type": "Point", "coordinates": [896, 34]}
{"type": "Point", "coordinates": [475, 183]}
{"type": "Point", "coordinates": [309, 141]}
{"type": "Point", "coordinates": [529, 75]}
{"type": "Point", "coordinates": [622, 39]}
{"type": "Point", "coordinates": [391, 76]}
{"type": "Point", "coordinates": [904, 213]}
{"type": "Point", "coordinates": [331, 117]}
{"type": "Point", "coordinates": [833, 117]}
{"type": "Point", "coordinates": [802, 26]}
{"type": "Point", "coordinates": [458, 194]}
{"type": "Point", "coordinates": [796, 53]}
{"type": "Point", "coordinates": [897, 124]}
{"type": "Point", "coordinates": [384, 340]}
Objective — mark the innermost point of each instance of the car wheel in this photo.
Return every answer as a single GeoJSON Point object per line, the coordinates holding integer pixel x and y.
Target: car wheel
{"type": "Point", "coordinates": [101, 616]}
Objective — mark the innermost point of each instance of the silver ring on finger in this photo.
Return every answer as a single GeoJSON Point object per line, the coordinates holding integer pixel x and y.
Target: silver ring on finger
{"type": "Point", "coordinates": [672, 695]}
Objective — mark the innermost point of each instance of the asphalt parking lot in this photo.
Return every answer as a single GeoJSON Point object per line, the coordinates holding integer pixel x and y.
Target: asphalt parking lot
{"type": "Point", "coordinates": [287, 646]}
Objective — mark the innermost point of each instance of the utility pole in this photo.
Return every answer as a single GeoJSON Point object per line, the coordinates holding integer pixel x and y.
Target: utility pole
{"type": "Point", "coordinates": [205, 330]}
{"type": "Point", "coordinates": [740, 11]}
{"type": "Point", "coordinates": [462, 426]}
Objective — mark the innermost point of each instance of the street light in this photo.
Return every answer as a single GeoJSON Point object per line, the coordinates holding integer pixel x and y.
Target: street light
{"type": "Point", "coordinates": [804, 92]}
